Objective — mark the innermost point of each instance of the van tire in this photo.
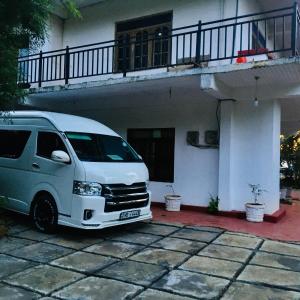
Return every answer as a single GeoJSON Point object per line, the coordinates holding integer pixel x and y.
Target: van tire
{"type": "Point", "coordinates": [44, 213]}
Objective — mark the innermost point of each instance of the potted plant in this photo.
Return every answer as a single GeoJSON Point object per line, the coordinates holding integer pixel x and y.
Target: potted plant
{"type": "Point", "coordinates": [213, 205]}
{"type": "Point", "coordinates": [286, 184]}
{"type": "Point", "coordinates": [173, 201]}
{"type": "Point", "coordinates": [255, 210]}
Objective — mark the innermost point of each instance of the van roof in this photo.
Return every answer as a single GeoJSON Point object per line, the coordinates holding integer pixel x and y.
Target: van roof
{"type": "Point", "coordinates": [66, 122]}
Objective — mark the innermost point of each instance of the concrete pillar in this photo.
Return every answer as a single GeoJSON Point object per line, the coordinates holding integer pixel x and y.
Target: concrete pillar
{"type": "Point", "coordinates": [225, 155]}
{"type": "Point", "coordinates": [249, 153]}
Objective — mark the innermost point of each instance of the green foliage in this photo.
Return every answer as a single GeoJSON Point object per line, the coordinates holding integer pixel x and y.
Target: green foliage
{"type": "Point", "coordinates": [22, 23]}
{"type": "Point", "coordinates": [3, 200]}
{"type": "Point", "coordinates": [213, 205]}
{"type": "Point", "coordinates": [71, 8]}
{"type": "Point", "coordinates": [290, 158]}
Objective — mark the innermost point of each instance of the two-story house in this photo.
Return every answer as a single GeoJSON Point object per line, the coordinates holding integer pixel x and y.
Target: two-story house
{"type": "Point", "coordinates": [201, 89]}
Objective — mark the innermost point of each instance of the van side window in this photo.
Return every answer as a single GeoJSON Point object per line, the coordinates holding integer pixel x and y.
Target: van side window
{"type": "Point", "coordinates": [47, 142]}
{"type": "Point", "coordinates": [12, 143]}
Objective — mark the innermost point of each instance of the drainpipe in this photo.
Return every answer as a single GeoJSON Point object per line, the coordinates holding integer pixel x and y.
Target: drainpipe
{"type": "Point", "coordinates": [234, 28]}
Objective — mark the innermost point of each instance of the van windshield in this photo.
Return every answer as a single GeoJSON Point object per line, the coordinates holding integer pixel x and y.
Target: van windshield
{"type": "Point", "coordinates": [101, 148]}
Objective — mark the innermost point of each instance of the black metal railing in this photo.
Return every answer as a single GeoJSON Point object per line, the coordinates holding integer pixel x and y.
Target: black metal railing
{"type": "Point", "coordinates": [273, 33]}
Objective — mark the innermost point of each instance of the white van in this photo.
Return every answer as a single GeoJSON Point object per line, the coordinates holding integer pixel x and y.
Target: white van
{"type": "Point", "coordinates": [68, 170]}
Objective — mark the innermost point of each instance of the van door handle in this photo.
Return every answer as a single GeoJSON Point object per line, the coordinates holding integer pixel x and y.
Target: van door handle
{"type": "Point", "coordinates": [35, 165]}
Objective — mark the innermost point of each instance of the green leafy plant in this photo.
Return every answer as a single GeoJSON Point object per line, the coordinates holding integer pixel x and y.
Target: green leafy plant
{"type": "Point", "coordinates": [23, 23]}
{"type": "Point", "coordinates": [213, 205]}
{"type": "Point", "coordinates": [256, 191]}
{"type": "Point", "coordinates": [171, 187]}
{"type": "Point", "coordinates": [290, 161]}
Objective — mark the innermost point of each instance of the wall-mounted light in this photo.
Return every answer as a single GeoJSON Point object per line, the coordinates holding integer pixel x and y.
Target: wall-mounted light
{"type": "Point", "coordinates": [255, 94]}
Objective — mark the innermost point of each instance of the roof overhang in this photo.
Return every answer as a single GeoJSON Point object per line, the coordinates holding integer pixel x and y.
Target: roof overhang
{"type": "Point", "coordinates": [278, 80]}
{"type": "Point", "coordinates": [60, 10]}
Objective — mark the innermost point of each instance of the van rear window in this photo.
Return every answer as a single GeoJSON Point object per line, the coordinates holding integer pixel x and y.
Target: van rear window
{"type": "Point", "coordinates": [12, 143]}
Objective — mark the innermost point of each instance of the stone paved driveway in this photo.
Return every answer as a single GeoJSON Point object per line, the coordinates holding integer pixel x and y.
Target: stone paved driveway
{"type": "Point", "coordinates": [145, 261]}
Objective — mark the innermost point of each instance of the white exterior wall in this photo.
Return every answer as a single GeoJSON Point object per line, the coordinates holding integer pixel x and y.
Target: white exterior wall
{"type": "Point", "coordinates": [249, 153]}
{"type": "Point", "coordinates": [98, 24]}
{"type": "Point", "coordinates": [54, 40]}
{"type": "Point", "coordinates": [195, 170]}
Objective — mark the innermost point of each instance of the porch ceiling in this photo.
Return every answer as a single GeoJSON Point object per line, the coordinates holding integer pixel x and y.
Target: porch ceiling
{"type": "Point", "coordinates": [276, 81]}
{"type": "Point", "coordinates": [273, 75]}
{"type": "Point", "coordinates": [138, 94]}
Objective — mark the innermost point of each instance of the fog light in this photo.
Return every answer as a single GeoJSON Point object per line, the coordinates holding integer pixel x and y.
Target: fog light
{"type": "Point", "coordinates": [87, 214]}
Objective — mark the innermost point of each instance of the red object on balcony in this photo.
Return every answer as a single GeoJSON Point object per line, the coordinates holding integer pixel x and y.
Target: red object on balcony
{"type": "Point", "coordinates": [253, 51]}
{"type": "Point", "coordinates": [241, 60]}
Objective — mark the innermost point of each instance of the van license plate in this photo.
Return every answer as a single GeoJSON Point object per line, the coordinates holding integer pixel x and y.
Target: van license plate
{"type": "Point", "coordinates": [130, 214]}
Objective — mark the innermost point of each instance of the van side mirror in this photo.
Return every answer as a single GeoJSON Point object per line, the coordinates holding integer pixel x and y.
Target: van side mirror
{"type": "Point", "coordinates": [60, 156]}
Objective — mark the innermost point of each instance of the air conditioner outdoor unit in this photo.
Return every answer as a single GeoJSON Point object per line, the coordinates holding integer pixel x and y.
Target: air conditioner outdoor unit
{"type": "Point", "coordinates": [211, 139]}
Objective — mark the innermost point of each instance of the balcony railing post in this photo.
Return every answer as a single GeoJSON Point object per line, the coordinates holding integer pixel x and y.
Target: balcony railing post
{"type": "Point", "coordinates": [40, 75]}
{"type": "Point", "coordinates": [198, 43]}
{"type": "Point", "coordinates": [294, 29]}
{"type": "Point", "coordinates": [67, 65]}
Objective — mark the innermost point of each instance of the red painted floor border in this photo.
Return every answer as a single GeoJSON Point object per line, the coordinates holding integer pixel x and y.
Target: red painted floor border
{"type": "Point", "coordinates": [287, 227]}
{"type": "Point", "coordinates": [273, 218]}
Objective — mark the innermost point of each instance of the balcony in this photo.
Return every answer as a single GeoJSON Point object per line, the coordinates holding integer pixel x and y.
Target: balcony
{"type": "Point", "coordinates": [269, 35]}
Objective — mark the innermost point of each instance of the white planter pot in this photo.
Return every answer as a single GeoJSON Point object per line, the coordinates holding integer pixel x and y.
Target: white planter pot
{"type": "Point", "coordinates": [283, 193]}
{"type": "Point", "coordinates": [255, 212]}
{"type": "Point", "coordinates": [258, 57]}
{"type": "Point", "coordinates": [173, 202]}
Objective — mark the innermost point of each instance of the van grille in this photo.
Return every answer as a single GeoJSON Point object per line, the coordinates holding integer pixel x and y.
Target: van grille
{"type": "Point", "coordinates": [121, 196]}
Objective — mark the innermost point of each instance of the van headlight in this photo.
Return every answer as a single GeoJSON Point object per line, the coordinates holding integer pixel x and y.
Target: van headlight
{"type": "Point", "coordinates": [85, 188]}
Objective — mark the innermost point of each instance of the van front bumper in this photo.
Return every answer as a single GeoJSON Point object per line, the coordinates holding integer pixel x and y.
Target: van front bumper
{"type": "Point", "coordinates": [99, 219]}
